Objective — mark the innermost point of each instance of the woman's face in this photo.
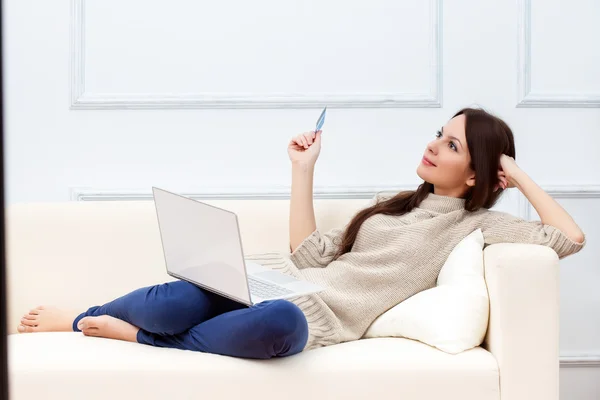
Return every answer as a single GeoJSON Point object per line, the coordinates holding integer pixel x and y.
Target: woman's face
{"type": "Point", "coordinates": [448, 151]}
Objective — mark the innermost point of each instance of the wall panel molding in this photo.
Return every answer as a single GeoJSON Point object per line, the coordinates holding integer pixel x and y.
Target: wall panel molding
{"type": "Point", "coordinates": [560, 192]}
{"type": "Point", "coordinates": [529, 98]}
{"type": "Point", "coordinates": [240, 193]}
{"type": "Point", "coordinates": [334, 192]}
{"type": "Point", "coordinates": [580, 361]}
{"type": "Point", "coordinates": [82, 99]}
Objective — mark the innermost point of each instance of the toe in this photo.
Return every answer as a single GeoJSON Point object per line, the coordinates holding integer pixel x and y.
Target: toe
{"type": "Point", "coordinates": [82, 324]}
{"type": "Point", "coordinates": [28, 322]}
{"type": "Point", "coordinates": [35, 311]}
{"type": "Point", "coordinates": [27, 329]}
{"type": "Point", "coordinates": [30, 317]}
{"type": "Point", "coordinates": [91, 332]}
{"type": "Point", "coordinates": [87, 323]}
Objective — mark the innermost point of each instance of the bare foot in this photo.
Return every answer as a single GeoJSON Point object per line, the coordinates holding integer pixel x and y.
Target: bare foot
{"type": "Point", "coordinates": [108, 327]}
{"type": "Point", "coordinates": [47, 319]}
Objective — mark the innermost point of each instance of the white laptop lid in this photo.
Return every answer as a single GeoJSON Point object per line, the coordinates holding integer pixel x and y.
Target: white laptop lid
{"type": "Point", "coordinates": [202, 244]}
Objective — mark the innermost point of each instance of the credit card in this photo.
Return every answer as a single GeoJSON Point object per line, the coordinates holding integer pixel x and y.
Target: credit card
{"type": "Point", "coordinates": [321, 120]}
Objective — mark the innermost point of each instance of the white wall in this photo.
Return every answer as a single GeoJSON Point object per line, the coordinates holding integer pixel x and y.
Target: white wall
{"type": "Point", "coordinates": [106, 98]}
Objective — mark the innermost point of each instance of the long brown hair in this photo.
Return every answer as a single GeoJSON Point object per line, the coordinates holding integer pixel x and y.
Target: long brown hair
{"type": "Point", "coordinates": [488, 137]}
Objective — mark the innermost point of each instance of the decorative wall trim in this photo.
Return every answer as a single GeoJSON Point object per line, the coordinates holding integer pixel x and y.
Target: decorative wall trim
{"type": "Point", "coordinates": [324, 192]}
{"type": "Point", "coordinates": [77, 50]}
{"type": "Point", "coordinates": [580, 361]}
{"type": "Point", "coordinates": [240, 193]}
{"type": "Point", "coordinates": [80, 99]}
{"type": "Point", "coordinates": [527, 98]}
{"type": "Point", "coordinates": [559, 192]}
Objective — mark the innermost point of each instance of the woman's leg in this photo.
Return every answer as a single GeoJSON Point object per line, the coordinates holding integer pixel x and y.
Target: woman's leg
{"type": "Point", "coordinates": [265, 330]}
{"type": "Point", "coordinates": [274, 328]}
{"type": "Point", "coordinates": [166, 309]}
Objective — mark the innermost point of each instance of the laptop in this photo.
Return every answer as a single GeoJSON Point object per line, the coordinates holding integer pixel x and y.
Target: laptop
{"type": "Point", "coordinates": [202, 245]}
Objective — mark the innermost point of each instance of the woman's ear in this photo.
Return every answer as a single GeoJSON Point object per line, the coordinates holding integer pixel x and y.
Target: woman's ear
{"type": "Point", "coordinates": [471, 180]}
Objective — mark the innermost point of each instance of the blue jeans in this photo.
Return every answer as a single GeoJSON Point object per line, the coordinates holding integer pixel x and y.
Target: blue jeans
{"type": "Point", "coordinates": [181, 315]}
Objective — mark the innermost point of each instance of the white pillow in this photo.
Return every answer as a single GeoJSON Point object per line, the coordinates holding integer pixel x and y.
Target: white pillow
{"type": "Point", "coordinates": [453, 316]}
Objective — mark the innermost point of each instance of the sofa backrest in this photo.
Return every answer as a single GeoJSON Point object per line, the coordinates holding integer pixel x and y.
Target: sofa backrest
{"type": "Point", "coordinates": [79, 254]}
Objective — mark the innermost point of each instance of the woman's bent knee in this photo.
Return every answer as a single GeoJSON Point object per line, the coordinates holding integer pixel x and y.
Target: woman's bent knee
{"type": "Point", "coordinates": [287, 326]}
{"type": "Point", "coordinates": [174, 307]}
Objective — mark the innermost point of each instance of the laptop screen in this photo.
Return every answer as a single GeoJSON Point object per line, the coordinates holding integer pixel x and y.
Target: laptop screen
{"type": "Point", "coordinates": [202, 244]}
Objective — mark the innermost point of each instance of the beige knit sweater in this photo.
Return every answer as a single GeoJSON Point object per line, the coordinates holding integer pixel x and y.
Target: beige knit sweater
{"type": "Point", "coordinates": [393, 258]}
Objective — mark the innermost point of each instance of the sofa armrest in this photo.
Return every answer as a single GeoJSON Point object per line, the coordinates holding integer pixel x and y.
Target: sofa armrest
{"type": "Point", "coordinates": [523, 330]}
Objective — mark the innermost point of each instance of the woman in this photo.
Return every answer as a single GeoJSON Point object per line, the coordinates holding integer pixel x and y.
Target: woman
{"type": "Point", "coordinates": [387, 253]}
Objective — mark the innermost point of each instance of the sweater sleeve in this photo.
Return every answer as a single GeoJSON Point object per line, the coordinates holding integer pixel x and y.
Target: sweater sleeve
{"type": "Point", "coordinates": [317, 249]}
{"type": "Point", "coordinates": [507, 228]}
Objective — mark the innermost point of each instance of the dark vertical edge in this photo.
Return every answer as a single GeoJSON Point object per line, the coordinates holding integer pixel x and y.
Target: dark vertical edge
{"type": "Point", "coordinates": [3, 288]}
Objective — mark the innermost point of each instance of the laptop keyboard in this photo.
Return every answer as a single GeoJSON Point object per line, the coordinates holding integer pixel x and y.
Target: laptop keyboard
{"type": "Point", "coordinates": [266, 290]}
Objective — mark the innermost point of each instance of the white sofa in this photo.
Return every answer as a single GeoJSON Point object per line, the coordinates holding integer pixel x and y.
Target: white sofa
{"type": "Point", "coordinates": [78, 254]}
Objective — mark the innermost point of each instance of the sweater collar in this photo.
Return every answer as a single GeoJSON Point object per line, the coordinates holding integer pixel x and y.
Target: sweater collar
{"type": "Point", "coordinates": [442, 204]}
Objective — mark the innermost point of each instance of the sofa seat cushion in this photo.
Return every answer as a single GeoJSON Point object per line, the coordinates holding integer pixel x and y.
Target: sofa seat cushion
{"type": "Point", "coordinates": [72, 366]}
